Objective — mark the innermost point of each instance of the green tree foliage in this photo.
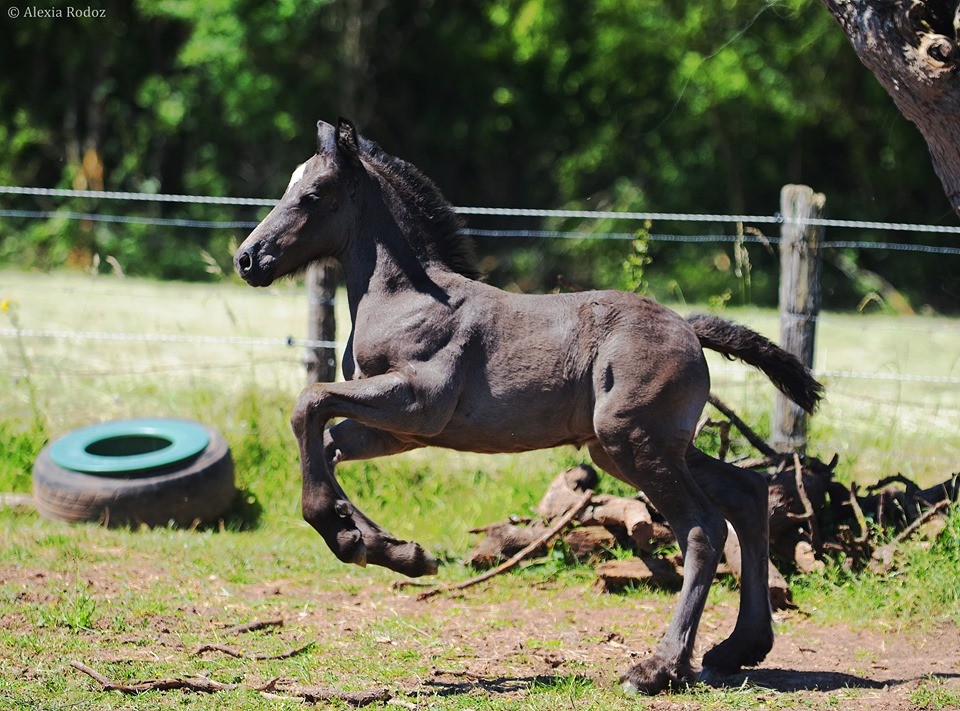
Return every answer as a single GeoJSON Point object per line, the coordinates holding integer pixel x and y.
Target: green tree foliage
{"type": "Point", "coordinates": [628, 104]}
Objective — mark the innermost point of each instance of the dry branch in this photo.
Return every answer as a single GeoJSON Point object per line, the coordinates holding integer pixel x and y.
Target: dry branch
{"type": "Point", "coordinates": [858, 515]}
{"type": "Point", "coordinates": [882, 559]}
{"type": "Point", "coordinates": [548, 536]}
{"type": "Point", "coordinates": [253, 626]}
{"type": "Point", "coordinates": [503, 540]}
{"type": "Point", "coordinates": [723, 429]}
{"type": "Point", "coordinates": [310, 694]}
{"type": "Point", "coordinates": [198, 684]}
{"type": "Point", "coordinates": [230, 651]}
{"type": "Point", "coordinates": [809, 514]}
{"type": "Point", "coordinates": [915, 526]}
{"type": "Point", "coordinates": [752, 437]}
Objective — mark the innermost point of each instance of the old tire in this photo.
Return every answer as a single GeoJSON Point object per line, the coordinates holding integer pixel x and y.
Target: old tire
{"type": "Point", "coordinates": [133, 472]}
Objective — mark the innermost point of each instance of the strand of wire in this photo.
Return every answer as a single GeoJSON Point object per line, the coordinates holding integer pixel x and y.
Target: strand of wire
{"type": "Point", "coordinates": [215, 291]}
{"type": "Point", "coordinates": [709, 239]}
{"type": "Point", "coordinates": [499, 234]}
{"type": "Point", "coordinates": [854, 375]}
{"type": "Point", "coordinates": [855, 396]}
{"type": "Point", "coordinates": [130, 219]}
{"type": "Point", "coordinates": [852, 322]}
{"type": "Point", "coordinates": [294, 342]}
{"type": "Point", "coordinates": [776, 218]}
{"type": "Point", "coordinates": [134, 196]}
{"type": "Point", "coordinates": [154, 369]}
{"type": "Point", "coordinates": [894, 377]}
{"type": "Point", "coordinates": [57, 334]}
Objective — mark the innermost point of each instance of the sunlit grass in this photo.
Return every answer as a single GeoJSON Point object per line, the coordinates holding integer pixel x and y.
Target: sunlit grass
{"type": "Point", "coordinates": [114, 592]}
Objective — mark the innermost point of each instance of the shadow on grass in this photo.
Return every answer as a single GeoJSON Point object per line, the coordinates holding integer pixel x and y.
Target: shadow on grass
{"type": "Point", "coordinates": [788, 680]}
{"type": "Point", "coordinates": [244, 513]}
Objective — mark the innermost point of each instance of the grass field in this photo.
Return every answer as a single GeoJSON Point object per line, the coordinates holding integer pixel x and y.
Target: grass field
{"type": "Point", "coordinates": [134, 604]}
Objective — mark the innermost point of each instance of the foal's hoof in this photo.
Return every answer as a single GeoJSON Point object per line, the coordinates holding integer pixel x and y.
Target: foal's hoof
{"type": "Point", "coordinates": [406, 557]}
{"type": "Point", "coordinates": [654, 674]}
{"type": "Point", "coordinates": [350, 547]}
{"type": "Point", "coordinates": [713, 677]}
{"type": "Point", "coordinates": [737, 651]}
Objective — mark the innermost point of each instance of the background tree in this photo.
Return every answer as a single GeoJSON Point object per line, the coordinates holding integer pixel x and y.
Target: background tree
{"type": "Point", "coordinates": [912, 50]}
{"type": "Point", "coordinates": [632, 104]}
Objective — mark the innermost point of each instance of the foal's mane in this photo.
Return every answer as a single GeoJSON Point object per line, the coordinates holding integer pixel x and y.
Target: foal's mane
{"type": "Point", "coordinates": [441, 226]}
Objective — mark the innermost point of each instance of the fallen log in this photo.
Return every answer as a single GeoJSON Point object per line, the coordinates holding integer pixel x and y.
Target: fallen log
{"type": "Point", "coordinates": [590, 544]}
{"type": "Point", "coordinates": [810, 514]}
{"type": "Point", "coordinates": [565, 489]}
{"type": "Point", "coordinates": [621, 521]}
{"type": "Point", "coordinates": [616, 513]}
{"type": "Point", "coordinates": [616, 575]}
{"type": "Point", "coordinates": [504, 540]}
{"type": "Point", "coordinates": [575, 509]}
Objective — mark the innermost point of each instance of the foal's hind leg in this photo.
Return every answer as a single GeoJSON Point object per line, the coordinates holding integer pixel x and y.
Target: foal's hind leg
{"type": "Point", "coordinates": [741, 496]}
{"type": "Point", "coordinates": [654, 462]}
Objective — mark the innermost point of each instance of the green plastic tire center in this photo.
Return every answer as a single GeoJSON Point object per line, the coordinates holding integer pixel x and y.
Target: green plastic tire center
{"type": "Point", "coordinates": [129, 446]}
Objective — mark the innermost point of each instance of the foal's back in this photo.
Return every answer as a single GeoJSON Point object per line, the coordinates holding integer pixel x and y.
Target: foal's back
{"type": "Point", "coordinates": [534, 366]}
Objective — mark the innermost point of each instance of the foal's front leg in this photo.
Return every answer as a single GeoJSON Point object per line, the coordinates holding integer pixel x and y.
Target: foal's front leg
{"type": "Point", "coordinates": [387, 413]}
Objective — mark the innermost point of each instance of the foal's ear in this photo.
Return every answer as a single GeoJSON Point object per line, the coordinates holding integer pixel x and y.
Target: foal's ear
{"type": "Point", "coordinates": [347, 140]}
{"type": "Point", "coordinates": [326, 138]}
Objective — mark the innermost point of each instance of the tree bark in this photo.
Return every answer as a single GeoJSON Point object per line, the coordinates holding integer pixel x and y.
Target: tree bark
{"type": "Point", "coordinates": [911, 47]}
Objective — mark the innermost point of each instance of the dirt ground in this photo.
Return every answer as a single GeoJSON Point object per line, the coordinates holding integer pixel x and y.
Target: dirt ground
{"type": "Point", "coordinates": [810, 659]}
{"type": "Point", "coordinates": [501, 648]}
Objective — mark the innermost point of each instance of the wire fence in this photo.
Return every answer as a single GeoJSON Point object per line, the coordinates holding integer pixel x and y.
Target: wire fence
{"type": "Point", "coordinates": [515, 233]}
{"type": "Point", "coordinates": [292, 342]}
{"type": "Point", "coordinates": [775, 218]}
{"type": "Point", "coordinates": [57, 334]}
{"type": "Point", "coordinates": [493, 234]}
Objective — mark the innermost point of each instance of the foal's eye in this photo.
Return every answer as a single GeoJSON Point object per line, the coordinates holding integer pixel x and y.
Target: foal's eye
{"type": "Point", "coordinates": [309, 198]}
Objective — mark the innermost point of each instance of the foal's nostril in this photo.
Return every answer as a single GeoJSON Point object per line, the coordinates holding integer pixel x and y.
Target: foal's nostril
{"type": "Point", "coordinates": [244, 262]}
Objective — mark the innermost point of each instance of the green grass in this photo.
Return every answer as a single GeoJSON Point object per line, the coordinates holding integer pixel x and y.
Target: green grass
{"type": "Point", "coordinates": [135, 602]}
{"type": "Point", "coordinates": [925, 587]}
{"type": "Point", "coordinates": [933, 693]}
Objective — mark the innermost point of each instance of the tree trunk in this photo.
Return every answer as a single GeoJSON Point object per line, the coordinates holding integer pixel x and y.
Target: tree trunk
{"type": "Point", "coordinates": [911, 47]}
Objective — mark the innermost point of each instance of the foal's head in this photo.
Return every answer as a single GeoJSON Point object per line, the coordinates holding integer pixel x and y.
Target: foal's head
{"type": "Point", "coordinates": [315, 214]}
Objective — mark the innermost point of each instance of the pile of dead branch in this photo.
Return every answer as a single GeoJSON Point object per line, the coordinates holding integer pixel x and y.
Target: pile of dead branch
{"type": "Point", "coordinates": [813, 517]}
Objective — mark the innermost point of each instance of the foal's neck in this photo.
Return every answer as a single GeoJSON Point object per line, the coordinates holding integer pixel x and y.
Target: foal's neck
{"type": "Point", "coordinates": [386, 257]}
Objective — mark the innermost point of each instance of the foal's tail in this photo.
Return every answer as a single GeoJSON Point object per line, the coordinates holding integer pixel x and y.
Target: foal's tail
{"type": "Point", "coordinates": [788, 374]}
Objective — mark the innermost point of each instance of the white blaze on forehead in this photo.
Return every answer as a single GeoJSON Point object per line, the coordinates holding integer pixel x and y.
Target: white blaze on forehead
{"type": "Point", "coordinates": [297, 174]}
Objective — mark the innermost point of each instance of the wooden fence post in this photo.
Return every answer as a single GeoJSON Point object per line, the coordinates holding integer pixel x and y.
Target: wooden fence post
{"type": "Point", "coordinates": [800, 259]}
{"type": "Point", "coordinates": [321, 362]}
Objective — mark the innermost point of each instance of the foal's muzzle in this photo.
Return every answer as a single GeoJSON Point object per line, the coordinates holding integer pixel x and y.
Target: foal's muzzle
{"type": "Point", "coordinates": [255, 268]}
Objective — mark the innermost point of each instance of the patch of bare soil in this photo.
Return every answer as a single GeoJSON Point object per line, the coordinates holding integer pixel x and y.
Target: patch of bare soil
{"type": "Point", "coordinates": [502, 648]}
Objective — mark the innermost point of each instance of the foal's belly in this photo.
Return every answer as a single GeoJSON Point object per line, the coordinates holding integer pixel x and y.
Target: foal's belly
{"type": "Point", "coordinates": [521, 424]}
{"type": "Point", "coordinates": [500, 442]}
